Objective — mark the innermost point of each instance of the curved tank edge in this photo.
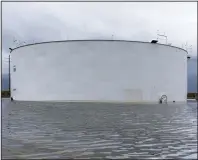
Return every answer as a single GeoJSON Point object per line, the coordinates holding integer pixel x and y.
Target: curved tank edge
{"type": "Point", "coordinates": [95, 40]}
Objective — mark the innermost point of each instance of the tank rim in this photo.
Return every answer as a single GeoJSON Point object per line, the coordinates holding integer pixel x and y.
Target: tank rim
{"type": "Point", "coordinates": [94, 40]}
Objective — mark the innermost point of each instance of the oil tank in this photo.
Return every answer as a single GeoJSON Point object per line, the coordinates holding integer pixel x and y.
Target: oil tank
{"type": "Point", "coordinates": [99, 71]}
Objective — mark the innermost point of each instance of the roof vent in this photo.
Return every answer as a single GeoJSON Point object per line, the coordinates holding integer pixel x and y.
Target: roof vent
{"type": "Point", "coordinates": [154, 41]}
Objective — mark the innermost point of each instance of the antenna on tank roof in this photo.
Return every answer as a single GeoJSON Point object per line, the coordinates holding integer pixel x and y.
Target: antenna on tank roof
{"type": "Point", "coordinates": [15, 41]}
{"type": "Point", "coordinates": [189, 49]}
{"type": "Point", "coordinates": [186, 45]}
{"type": "Point", "coordinates": [157, 35]}
{"type": "Point", "coordinates": [162, 35]}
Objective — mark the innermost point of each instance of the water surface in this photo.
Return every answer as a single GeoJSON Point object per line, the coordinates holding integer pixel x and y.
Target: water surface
{"type": "Point", "coordinates": [98, 130]}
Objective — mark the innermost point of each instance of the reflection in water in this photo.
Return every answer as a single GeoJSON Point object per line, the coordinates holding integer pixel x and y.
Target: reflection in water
{"type": "Point", "coordinates": [90, 130]}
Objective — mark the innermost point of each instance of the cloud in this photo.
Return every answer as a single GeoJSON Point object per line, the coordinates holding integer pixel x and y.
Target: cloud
{"type": "Point", "coordinates": [31, 21]}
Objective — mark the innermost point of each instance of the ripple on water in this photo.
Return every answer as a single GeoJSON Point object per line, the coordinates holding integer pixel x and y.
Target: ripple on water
{"type": "Point", "coordinates": [88, 130]}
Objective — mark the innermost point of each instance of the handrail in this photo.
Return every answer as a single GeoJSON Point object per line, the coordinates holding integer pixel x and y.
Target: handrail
{"type": "Point", "coordinates": [163, 99]}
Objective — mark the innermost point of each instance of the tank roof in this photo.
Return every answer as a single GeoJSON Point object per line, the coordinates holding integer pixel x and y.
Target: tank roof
{"type": "Point", "coordinates": [95, 40]}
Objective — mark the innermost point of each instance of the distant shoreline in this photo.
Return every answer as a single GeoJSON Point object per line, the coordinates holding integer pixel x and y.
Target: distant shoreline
{"type": "Point", "coordinates": [190, 96]}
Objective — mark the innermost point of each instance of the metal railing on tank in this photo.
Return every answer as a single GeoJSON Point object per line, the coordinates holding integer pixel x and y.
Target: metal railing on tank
{"type": "Point", "coordinates": [163, 99]}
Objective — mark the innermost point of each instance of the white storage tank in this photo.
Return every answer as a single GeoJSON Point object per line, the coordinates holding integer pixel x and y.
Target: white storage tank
{"type": "Point", "coordinates": [99, 71]}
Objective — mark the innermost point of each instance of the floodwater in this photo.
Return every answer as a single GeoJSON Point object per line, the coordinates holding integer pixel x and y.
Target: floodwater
{"type": "Point", "coordinates": [91, 130]}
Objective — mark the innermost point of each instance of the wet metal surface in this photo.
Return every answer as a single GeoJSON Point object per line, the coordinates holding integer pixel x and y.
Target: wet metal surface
{"type": "Point", "coordinates": [90, 130]}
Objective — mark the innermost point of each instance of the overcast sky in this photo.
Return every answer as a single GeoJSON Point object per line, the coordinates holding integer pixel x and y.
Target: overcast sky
{"type": "Point", "coordinates": [47, 21]}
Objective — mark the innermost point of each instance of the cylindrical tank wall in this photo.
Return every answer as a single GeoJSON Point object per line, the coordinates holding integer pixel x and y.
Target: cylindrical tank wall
{"type": "Point", "coordinates": [99, 71]}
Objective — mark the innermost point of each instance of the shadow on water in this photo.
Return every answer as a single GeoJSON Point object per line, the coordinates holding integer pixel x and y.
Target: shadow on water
{"type": "Point", "coordinates": [98, 130]}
